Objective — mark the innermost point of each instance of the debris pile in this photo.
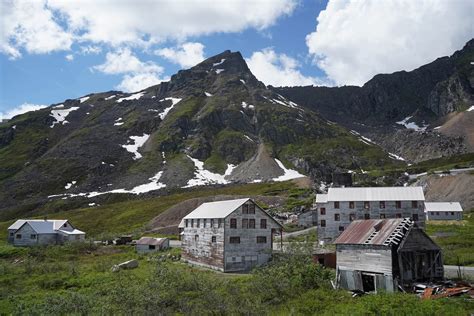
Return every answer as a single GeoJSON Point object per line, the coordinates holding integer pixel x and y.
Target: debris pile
{"type": "Point", "coordinates": [444, 289]}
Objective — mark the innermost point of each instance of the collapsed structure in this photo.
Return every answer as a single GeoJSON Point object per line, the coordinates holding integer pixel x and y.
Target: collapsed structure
{"type": "Point", "coordinates": [385, 254]}
{"type": "Point", "coordinates": [230, 236]}
{"type": "Point", "coordinates": [151, 244]}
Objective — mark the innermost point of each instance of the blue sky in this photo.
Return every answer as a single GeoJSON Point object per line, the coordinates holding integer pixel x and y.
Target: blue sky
{"type": "Point", "coordinates": [52, 50]}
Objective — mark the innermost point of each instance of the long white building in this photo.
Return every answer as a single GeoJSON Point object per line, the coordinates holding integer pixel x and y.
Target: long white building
{"type": "Point", "coordinates": [443, 211]}
{"type": "Point", "coordinates": [340, 206]}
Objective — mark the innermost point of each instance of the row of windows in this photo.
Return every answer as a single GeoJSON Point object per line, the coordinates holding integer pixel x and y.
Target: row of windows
{"type": "Point", "coordinates": [248, 223]}
{"type": "Point", "coordinates": [18, 236]}
{"type": "Point", "coordinates": [445, 213]}
{"type": "Point", "coordinates": [352, 217]}
{"type": "Point", "coordinates": [248, 209]}
{"type": "Point", "coordinates": [211, 223]}
{"type": "Point", "coordinates": [398, 204]}
{"type": "Point", "coordinates": [260, 240]}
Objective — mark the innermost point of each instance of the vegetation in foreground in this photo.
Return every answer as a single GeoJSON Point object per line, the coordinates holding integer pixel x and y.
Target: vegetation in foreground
{"type": "Point", "coordinates": [76, 279]}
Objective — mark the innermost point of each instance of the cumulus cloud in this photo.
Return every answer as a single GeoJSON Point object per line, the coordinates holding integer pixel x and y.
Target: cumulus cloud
{"type": "Point", "coordinates": [69, 57]}
{"type": "Point", "coordinates": [354, 40]}
{"type": "Point", "coordinates": [34, 26]}
{"type": "Point", "coordinates": [186, 55]}
{"type": "Point", "coordinates": [23, 108]}
{"type": "Point", "coordinates": [137, 74]}
{"type": "Point", "coordinates": [278, 69]}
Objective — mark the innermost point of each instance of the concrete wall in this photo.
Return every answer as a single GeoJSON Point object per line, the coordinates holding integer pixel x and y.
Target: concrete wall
{"type": "Point", "coordinates": [331, 231]}
{"type": "Point", "coordinates": [443, 216]}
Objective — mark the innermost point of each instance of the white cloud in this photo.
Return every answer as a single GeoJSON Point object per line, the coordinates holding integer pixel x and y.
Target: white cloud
{"type": "Point", "coordinates": [186, 55]}
{"type": "Point", "coordinates": [31, 26]}
{"type": "Point", "coordinates": [69, 57]}
{"type": "Point", "coordinates": [354, 40]}
{"type": "Point", "coordinates": [34, 27]}
{"type": "Point", "coordinates": [90, 49]}
{"type": "Point", "coordinates": [278, 69]}
{"type": "Point", "coordinates": [23, 108]}
{"type": "Point", "coordinates": [137, 74]}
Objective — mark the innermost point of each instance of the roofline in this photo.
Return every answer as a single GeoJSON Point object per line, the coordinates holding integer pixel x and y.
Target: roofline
{"type": "Point", "coordinates": [261, 208]}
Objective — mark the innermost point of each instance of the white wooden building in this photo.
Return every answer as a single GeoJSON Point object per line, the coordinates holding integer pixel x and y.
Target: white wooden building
{"type": "Point", "coordinates": [383, 254]}
{"type": "Point", "coordinates": [151, 244]}
{"type": "Point", "coordinates": [340, 206]}
{"type": "Point", "coordinates": [30, 232]}
{"type": "Point", "coordinates": [230, 236]}
{"type": "Point", "coordinates": [443, 211]}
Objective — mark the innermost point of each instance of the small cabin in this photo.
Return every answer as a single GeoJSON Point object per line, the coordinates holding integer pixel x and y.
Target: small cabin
{"type": "Point", "coordinates": [443, 211]}
{"type": "Point", "coordinates": [385, 254]}
{"type": "Point", "coordinates": [150, 244]}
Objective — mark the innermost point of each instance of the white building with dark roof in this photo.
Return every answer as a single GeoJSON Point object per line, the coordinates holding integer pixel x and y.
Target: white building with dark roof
{"type": "Point", "coordinates": [340, 206]}
{"type": "Point", "coordinates": [230, 236]}
{"type": "Point", "coordinates": [443, 211]}
{"type": "Point", "coordinates": [30, 232]}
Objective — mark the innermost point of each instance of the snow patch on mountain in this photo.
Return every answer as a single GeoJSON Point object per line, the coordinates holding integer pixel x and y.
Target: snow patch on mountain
{"type": "Point", "coordinates": [288, 173]}
{"type": "Point", "coordinates": [60, 115]}
{"type": "Point", "coordinates": [134, 96]}
{"type": "Point", "coordinates": [165, 112]}
{"type": "Point", "coordinates": [205, 177]}
{"type": "Point", "coordinates": [138, 142]}
{"type": "Point", "coordinates": [411, 125]}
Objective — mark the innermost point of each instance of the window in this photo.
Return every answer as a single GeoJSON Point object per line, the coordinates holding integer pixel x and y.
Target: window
{"type": "Point", "coordinates": [261, 239]}
{"type": "Point", "coordinates": [323, 211]}
{"type": "Point", "coordinates": [151, 247]}
{"type": "Point", "coordinates": [263, 223]}
{"type": "Point", "coordinates": [382, 204]}
{"type": "Point", "coordinates": [212, 223]}
{"type": "Point", "coordinates": [18, 236]}
{"type": "Point", "coordinates": [382, 215]}
{"type": "Point", "coordinates": [198, 223]}
{"type": "Point", "coordinates": [245, 223]}
{"type": "Point", "coordinates": [186, 222]}
{"type": "Point", "coordinates": [366, 204]}
{"type": "Point", "coordinates": [196, 237]}
{"type": "Point", "coordinates": [65, 225]}
{"type": "Point", "coordinates": [336, 204]}
{"type": "Point", "coordinates": [11, 234]}
{"type": "Point", "coordinates": [352, 217]}
{"type": "Point", "coordinates": [204, 222]}
{"type": "Point", "coordinates": [33, 236]}
{"type": "Point", "coordinates": [219, 223]}
{"type": "Point", "coordinates": [351, 204]}
{"type": "Point", "coordinates": [415, 217]}
{"type": "Point", "coordinates": [337, 217]}
{"type": "Point", "coordinates": [213, 239]}
{"type": "Point", "coordinates": [446, 213]}
{"type": "Point", "coordinates": [251, 223]}
{"type": "Point", "coordinates": [437, 213]}
{"type": "Point", "coordinates": [414, 204]}
{"type": "Point", "coordinates": [398, 215]}
{"type": "Point", "coordinates": [323, 223]}
{"type": "Point", "coordinates": [398, 204]}
{"type": "Point", "coordinates": [366, 216]}
{"type": "Point", "coordinates": [234, 240]}
{"type": "Point", "coordinates": [252, 208]}
{"type": "Point", "coordinates": [452, 213]}
{"type": "Point", "coordinates": [245, 209]}
{"type": "Point", "coordinates": [192, 223]}
{"type": "Point", "coordinates": [341, 228]}
{"type": "Point", "coordinates": [233, 223]}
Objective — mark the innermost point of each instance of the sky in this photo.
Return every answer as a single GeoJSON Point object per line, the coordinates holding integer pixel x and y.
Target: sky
{"type": "Point", "coordinates": [52, 50]}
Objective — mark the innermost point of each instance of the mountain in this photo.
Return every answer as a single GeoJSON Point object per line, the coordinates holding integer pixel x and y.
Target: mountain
{"type": "Point", "coordinates": [422, 114]}
{"type": "Point", "coordinates": [212, 124]}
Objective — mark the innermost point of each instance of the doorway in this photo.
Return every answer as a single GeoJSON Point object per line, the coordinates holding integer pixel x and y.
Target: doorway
{"type": "Point", "coordinates": [368, 282]}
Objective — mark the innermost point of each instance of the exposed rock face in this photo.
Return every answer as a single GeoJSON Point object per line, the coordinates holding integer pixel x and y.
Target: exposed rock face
{"type": "Point", "coordinates": [426, 95]}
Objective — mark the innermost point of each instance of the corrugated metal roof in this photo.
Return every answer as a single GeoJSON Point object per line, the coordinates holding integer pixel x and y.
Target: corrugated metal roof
{"type": "Point", "coordinates": [321, 198]}
{"type": "Point", "coordinates": [379, 230]}
{"type": "Point", "coordinates": [220, 209]}
{"type": "Point", "coordinates": [41, 226]}
{"type": "Point", "coordinates": [376, 194]}
{"type": "Point", "coordinates": [151, 241]}
{"type": "Point", "coordinates": [443, 207]}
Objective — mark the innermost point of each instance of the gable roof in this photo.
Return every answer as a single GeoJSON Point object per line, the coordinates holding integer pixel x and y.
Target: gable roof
{"type": "Point", "coordinates": [219, 209]}
{"type": "Point", "coordinates": [376, 194]}
{"type": "Point", "coordinates": [151, 241]}
{"type": "Point", "coordinates": [443, 207]}
{"type": "Point", "coordinates": [41, 226]}
{"type": "Point", "coordinates": [375, 231]}
{"type": "Point", "coordinates": [321, 198]}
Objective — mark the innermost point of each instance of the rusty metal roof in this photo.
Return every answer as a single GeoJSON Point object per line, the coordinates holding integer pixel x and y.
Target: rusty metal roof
{"type": "Point", "coordinates": [372, 231]}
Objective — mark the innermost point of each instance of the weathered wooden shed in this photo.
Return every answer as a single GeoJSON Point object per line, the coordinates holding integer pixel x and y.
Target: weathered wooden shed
{"type": "Point", "coordinates": [150, 244]}
{"type": "Point", "coordinates": [384, 254]}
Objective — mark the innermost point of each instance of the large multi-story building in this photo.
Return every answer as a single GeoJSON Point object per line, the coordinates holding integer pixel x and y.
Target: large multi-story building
{"type": "Point", "coordinates": [340, 206]}
{"type": "Point", "coordinates": [233, 235]}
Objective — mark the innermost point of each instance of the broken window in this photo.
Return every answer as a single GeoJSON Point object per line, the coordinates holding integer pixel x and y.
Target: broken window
{"type": "Point", "coordinates": [366, 204]}
{"type": "Point", "coordinates": [212, 223]}
{"type": "Point", "coordinates": [414, 204]}
{"type": "Point", "coordinates": [251, 223]}
{"type": "Point", "coordinates": [18, 236]}
{"type": "Point", "coordinates": [198, 223]}
{"type": "Point", "coordinates": [263, 223]}
{"type": "Point", "coordinates": [192, 223]}
{"type": "Point", "coordinates": [323, 211]}
{"type": "Point", "coordinates": [233, 223]}
{"type": "Point", "coordinates": [245, 223]}
{"type": "Point", "coordinates": [186, 221]}
{"type": "Point", "coordinates": [382, 215]}
{"type": "Point", "coordinates": [234, 240]}
{"type": "Point", "coordinates": [366, 216]}
{"type": "Point", "coordinates": [337, 217]}
{"type": "Point", "coordinates": [452, 213]}
{"type": "Point", "coordinates": [341, 228]}
{"type": "Point", "coordinates": [352, 217]}
{"type": "Point", "coordinates": [336, 204]}
{"type": "Point", "coordinates": [219, 223]}
{"type": "Point", "coordinates": [351, 204]}
{"type": "Point", "coordinates": [33, 236]}
{"type": "Point", "coordinates": [196, 237]}
{"type": "Point", "coordinates": [382, 204]}
{"type": "Point", "coordinates": [204, 223]}
{"type": "Point", "coordinates": [261, 239]}
{"type": "Point", "coordinates": [252, 208]}
{"type": "Point", "coordinates": [151, 247]}
{"type": "Point", "coordinates": [323, 223]}
{"type": "Point", "coordinates": [398, 204]}
{"type": "Point", "coordinates": [245, 209]}
{"type": "Point", "coordinates": [213, 239]}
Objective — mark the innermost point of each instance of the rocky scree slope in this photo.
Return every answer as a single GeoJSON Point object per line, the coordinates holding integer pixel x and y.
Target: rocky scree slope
{"type": "Point", "coordinates": [212, 124]}
{"type": "Point", "coordinates": [407, 113]}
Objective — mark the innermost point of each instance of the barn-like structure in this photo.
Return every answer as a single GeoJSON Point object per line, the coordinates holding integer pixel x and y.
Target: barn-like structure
{"type": "Point", "coordinates": [383, 254]}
